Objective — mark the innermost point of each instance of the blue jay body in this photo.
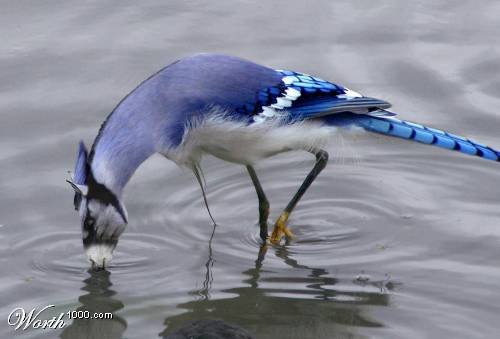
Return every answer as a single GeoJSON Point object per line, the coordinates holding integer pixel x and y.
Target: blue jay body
{"type": "Point", "coordinates": [235, 110]}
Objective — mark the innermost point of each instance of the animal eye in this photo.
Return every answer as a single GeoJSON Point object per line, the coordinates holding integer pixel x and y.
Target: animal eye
{"type": "Point", "coordinates": [89, 221]}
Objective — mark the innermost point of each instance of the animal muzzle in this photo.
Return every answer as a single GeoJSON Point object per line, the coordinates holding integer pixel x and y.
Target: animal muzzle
{"type": "Point", "coordinates": [100, 254]}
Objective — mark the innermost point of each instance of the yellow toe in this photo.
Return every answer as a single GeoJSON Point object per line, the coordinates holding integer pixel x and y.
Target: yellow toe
{"type": "Point", "coordinates": [276, 237]}
{"type": "Point", "coordinates": [280, 229]}
{"type": "Point", "coordinates": [288, 233]}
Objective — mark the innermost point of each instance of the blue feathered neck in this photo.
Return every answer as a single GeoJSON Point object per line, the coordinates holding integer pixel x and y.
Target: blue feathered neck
{"type": "Point", "coordinates": [124, 142]}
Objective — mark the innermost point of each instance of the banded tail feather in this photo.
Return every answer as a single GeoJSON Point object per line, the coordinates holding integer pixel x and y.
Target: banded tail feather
{"type": "Point", "coordinates": [426, 135]}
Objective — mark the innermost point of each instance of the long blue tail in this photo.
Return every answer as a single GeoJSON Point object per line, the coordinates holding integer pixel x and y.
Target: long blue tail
{"type": "Point", "coordinates": [407, 130]}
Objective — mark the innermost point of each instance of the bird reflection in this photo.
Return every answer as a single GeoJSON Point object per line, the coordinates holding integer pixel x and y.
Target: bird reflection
{"type": "Point", "coordinates": [263, 307]}
{"type": "Point", "coordinates": [98, 299]}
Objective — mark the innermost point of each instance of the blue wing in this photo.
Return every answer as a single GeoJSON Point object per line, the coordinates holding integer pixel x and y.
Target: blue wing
{"type": "Point", "coordinates": [187, 90]}
{"type": "Point", "coordinates": [300, 96]}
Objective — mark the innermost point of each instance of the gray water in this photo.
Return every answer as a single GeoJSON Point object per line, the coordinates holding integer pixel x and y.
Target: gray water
{"type": "Point", "coordinates": [394, 240]}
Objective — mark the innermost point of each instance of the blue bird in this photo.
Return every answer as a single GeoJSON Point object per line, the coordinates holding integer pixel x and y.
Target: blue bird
{"type": "Point", "coordinates": [235, 110]}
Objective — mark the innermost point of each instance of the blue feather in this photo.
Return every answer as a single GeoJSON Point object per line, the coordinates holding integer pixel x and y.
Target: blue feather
{"type": "Point", "coordinates": [81, 167]}
{"type": "Point", "coordinates": [317, 98]}
{"type": "Point", "coordinates": [320, 106]}
{"type": "Point", "coordinates": [415, 132]}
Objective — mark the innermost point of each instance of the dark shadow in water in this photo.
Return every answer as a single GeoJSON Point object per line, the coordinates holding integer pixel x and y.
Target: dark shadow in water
{"type": "Point", "coordinates": [98, 299]}
{"type": "Point", "coordinates": [317, 309]}
{"type": "Point", "coordinates": [204, 292]}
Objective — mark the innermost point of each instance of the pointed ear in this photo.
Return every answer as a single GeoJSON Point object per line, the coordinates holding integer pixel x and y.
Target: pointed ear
{"type": "Point", "coordinates": [81, 166]}
{"type": "Point", "coordinates": [80, 189]}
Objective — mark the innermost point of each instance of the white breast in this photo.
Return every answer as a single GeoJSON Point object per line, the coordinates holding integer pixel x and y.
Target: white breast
{"type": "Point", "coordinates": [247, 144]}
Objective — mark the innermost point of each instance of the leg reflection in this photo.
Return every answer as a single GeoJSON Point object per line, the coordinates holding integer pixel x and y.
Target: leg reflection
{"type": "Point", "coordinates": [204, 292]}
{"type": "Point", "coordinates": [276, 301]}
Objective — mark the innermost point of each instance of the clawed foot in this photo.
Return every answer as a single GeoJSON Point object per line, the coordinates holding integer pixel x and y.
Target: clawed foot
{"type": "Point", "coordinates": [281, 230]}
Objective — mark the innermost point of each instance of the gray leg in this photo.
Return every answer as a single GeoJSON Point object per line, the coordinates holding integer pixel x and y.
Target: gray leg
{"type": "Point", "coordinates": [263, 203]}
{"type": "Point", "coordinates": [280, 228]}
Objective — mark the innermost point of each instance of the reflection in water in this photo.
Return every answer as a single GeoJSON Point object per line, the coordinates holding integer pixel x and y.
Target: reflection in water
{"type": "Point", "coordinates": [209, 329]}
{"type": "Point", "coordinates": [320, 307]}
{"type": "Point", "coordinates": [204, 292]}
{"type": "Point", "coordinates": [98, 299]}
